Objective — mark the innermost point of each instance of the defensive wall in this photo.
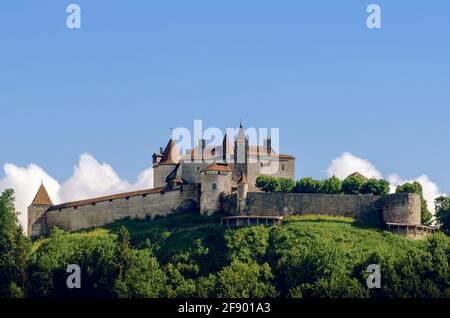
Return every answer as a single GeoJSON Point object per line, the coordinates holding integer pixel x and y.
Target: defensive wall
{"type": "Point", "coordinates": [393, 208]}
{"type": "Point", "coordinates": [85, 214]}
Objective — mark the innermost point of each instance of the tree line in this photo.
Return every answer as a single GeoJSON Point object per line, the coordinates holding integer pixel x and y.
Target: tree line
{"type": "Point", "coordinates": [294, 260]}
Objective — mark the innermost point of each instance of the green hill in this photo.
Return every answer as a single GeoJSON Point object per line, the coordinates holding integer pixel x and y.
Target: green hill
{"type": "Point", "coordinates": [189, 255]}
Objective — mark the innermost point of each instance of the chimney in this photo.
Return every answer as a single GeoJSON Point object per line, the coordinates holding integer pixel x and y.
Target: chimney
{"type": "Point", "coordinates": [268, 145]}
{"type": "Point", "coordinates": [203, 145]}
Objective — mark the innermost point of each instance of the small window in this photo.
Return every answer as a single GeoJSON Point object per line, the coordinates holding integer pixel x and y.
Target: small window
{"type": "Point", "coordinates": [75, 207]}
{"type": "Point", "coordinates": [144, 195]}
{"type": "Point", "coordinates": [282, 167]}
{"type": "Point", "coordinates": [93, 203]}
{"type": "Point", "coordinates": [127, 198]}
{"type": "Point", "coordinates": [262, 165]}
{"type": "Point", "coordinates": [198, 168]}
{"type": "Point", "coordinates": [219, 172]}
{"type": "Point", "coordinates": [214, 186]}
{"type": "Point", "coordinates": [110, 201]}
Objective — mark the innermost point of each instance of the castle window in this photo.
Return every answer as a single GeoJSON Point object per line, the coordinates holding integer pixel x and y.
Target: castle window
{"type": "Point", "coordinates": [214, 186]}
{"type": "Point", "coordinates": [198, 168]}
{"type": "Point", "coordinates": [93, 203]}
{"type": "Point", "coordinates": [127, 198]}
{"type": "Point", "coordinates": [144, 195]}
{"type": "Point", "coordinates": [75, 207]}
{"type": "Point", "coordinates": [219, 172]}
{"type": "Point", "coordinates": [282, 167]}
{"type": "Point", "coordinates": [262, 165]}
{"type": "Point", "coordinates": [110, 201]}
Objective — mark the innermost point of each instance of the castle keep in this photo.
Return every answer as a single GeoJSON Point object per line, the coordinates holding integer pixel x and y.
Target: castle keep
{"type": "Point", "coordinates": [212, 178]}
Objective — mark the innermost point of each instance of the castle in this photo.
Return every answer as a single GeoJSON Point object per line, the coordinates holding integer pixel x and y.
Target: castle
{"type": "Point", "coordinates": [213, 178]}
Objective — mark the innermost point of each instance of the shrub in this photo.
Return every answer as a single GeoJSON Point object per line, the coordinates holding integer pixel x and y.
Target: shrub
{"type": "Point", "coordinates": [267, 183]}
{"type": "Point", "coordinates": [331, 186]}
{"type": "Point", "coordinates": [352, 185]}
{"type": "Point", "coordinates": [285, 185]}
{"type": "Point", "coordinates": [375, 187]}
{"type": "Point", "coordinates": [307, 185]}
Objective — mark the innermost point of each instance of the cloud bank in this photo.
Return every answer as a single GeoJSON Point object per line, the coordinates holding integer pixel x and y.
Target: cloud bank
{"type": "Point", "coordinates": [89, 179]}
{"type": "Point", "coordinates": [348, 163]}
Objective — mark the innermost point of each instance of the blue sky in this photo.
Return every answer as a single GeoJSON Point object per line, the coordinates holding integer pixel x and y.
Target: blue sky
{"type": "Point", "coordinates": [135, 69]}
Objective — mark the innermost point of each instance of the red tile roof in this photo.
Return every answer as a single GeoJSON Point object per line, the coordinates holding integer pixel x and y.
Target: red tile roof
{"type": "Point", "coordinates": [105, 198]}
{"type": "Point", "coordinates": [42, 197]}
{"type": "Point", "coordinates": [218, 167]}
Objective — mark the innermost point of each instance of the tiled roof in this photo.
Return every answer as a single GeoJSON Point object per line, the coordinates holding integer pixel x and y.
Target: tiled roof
{"type": "Point", "coordinates": [171, 154]}
{"type": "Point", "coordinates": [105, 198]}
{"type": "Point", "coordinates": [218, 167]}
{"type": "Point", "coordinates": [357, 174]}
{"type": "Point", "coordinates": [42, 197]}
{"type": "Point", "coordinates": [215, 152]}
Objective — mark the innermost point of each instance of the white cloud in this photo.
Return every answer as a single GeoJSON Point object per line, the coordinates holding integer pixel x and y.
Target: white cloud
{"type": "Point", "coordinates": [90, 179]}
{"type": "Point", "coordinates": [346, 164]}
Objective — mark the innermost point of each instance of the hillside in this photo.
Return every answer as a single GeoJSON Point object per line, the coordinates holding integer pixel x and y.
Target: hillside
{"type": "Point", "coordinates": [188, 255]}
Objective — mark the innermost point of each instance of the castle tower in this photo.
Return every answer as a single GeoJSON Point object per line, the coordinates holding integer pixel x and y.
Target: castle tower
{"type": "Point", "coordinates": [242, 191]}
{"type": "Point", "coordinates": [40, 204]}
{"type": "Point", "coordinates": [167, 163]}
{"type": "Point", "coordinates": [240, 153]}
{"type": "Point", "coordinates": [215, 182]}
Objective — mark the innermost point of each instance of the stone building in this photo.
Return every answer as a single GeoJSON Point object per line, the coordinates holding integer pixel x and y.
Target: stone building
{"type": "Point", "coordinates": [196, 181]}
{"type": "Point", "coordinates": [213, 178]}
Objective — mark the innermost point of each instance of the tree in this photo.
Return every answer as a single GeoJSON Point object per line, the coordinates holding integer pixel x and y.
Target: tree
{"type": "Point", "coordinates": [124, 254]}
{"type": "Point", "coordinates": [353, 185]}
{"type": "Point", "coordinates": [285, 185]}
{"type": "Point", "coordinates": [143, 279]}
{"type": "Point", "coordinates": [331, 186]}
{"type": "Point", "coordinates": [443, 213]}
{"type": "Point", "coordinates": [245, 280]}
{"type": "Point", "coordinates": [307, 185]}
{"type": "Point", "coordinates": [416, 187]}
{"type": "Point", "coordinates": [376, 187]}
{"type": "Point", "coordinates": [267, 183]}
{"type": "Point", "coordinates": [15, 249]}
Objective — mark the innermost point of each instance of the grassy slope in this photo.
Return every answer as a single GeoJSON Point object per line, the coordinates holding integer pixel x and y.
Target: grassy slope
{"type": "Point", "coordinates": [177, 232]}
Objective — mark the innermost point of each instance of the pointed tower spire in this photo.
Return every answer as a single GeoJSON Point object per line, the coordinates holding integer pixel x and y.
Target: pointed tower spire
{"type": "Point", "coordinates": [241, 135]}
{"type": "Point", "coordinates": [171, 154]}
{"type": "Point", "coordinates": [242, 179]}
{"type": "Point", "coordinates": [42, 197]}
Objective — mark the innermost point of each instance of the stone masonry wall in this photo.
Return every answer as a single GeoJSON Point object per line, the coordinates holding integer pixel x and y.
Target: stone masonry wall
{"type": "Point", "coordinates": [136, 207]}
{"type": "Point", "coordinates": [393, 208]}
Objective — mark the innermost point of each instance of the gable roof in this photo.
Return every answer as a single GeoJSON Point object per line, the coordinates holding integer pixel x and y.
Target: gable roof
{"type": "Point", "coordinates": [218, 167]}
{"type": "Point", "coordinates": [42, 197]}
{"type": "Point", "coordinates": [357, 174]}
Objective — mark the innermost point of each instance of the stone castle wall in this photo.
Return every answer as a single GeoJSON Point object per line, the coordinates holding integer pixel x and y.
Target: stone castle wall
{"type": "Point", "coordinates": [392, 208]}
{"type": "Point", "coordinates": [135, 207]}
